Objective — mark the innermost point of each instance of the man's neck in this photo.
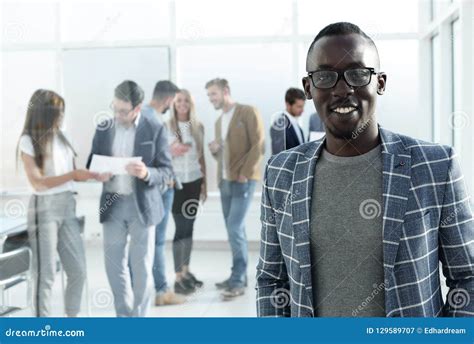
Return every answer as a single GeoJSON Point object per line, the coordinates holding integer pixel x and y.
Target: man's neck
{"type": "Point", "coordinates": [366, 141]}
{"type": "Point", "coordinates": [157, 106]}
{"type": "Point", "coordinates": [228, 105]}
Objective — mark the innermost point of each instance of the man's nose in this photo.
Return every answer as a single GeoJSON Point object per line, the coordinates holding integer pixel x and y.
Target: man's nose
{"type": "Point", "coordinates": [342, 89]}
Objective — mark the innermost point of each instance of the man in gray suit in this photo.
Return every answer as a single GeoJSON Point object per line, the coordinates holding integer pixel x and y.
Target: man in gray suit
{"type": "Point", "coordinates": [131, 204]}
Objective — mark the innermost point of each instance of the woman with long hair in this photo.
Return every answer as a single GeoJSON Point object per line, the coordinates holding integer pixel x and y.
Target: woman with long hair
{"type": "Point", "coordinates": [187, 142]}
{"type": "Point", "coordinates": [48, 160]}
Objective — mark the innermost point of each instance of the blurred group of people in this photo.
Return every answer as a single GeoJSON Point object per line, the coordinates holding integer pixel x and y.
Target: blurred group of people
{"type": "Point", "coordinates": [134, 207]}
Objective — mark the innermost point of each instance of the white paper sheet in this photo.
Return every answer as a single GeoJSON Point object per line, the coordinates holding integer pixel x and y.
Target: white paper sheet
{"type": "Point", "coordinates": [111, 164]}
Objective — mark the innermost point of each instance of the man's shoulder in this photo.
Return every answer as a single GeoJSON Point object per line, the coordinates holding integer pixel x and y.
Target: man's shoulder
{"type": "Point", "coordinates": [246, 109]}
{"type": "Point", "coordinates": [288, 159]}
{"type": "Point", "coordinates": [151, 120]}
{"type": "Point", "coordinates": [424, 151]}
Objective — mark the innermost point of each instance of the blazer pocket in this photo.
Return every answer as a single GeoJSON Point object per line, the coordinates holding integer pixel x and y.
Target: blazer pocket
{"type": "Point", "coordinates": [414, 225]}
{"type": "Point", "coordinates": [146, 143]}
{"type": "Point", "coordinates": [416, 216]}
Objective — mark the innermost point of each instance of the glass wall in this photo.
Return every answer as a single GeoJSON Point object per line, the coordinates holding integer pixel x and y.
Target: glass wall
{"type": "Point", "coordinates": [259, 46]}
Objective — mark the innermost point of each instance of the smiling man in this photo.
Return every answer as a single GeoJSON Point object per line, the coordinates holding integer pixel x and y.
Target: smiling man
{"type": "Point", "coordinates": [355, 224]}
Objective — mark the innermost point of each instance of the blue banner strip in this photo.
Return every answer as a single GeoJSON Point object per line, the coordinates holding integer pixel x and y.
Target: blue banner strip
{"type": "Point", "coordinates": [236, 330]}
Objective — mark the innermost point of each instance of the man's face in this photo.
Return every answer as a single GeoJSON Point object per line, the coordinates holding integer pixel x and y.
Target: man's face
{"type": "Point", "coordinates": [216, 96]}
{"type": "Point", "coordinates": [342, 52]}
{"type": "Point", "coordinates": [124, 113]}
{"type": "Point", "coordinates": [296, 109]}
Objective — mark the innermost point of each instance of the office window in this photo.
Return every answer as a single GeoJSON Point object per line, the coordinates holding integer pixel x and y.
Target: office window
{"type": "Point", "coordinates": [314, 15]}
{"type": "Point", "coordinates": [459, 118]}
{"type": "Point", "coordinates": [213, 18]}
{"type": "Point", "coordinates": [114, 21]}
{"type": "Point", "coordinates": [399, 60]}
{"type": "Point", "coordinates": [438, 7]}
{"type": "Point", "coordinates": [21, 76]}
{"type": "Point", "coordinates": [28, 22]}
{"type": "Point", "coordinates": [436, 85]}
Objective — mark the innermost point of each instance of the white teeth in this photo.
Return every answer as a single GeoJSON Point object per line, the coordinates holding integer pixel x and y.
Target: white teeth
{"type": "Point", "coordinates": [344, 109]}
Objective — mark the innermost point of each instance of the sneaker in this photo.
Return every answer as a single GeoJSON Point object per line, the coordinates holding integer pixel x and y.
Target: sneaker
{"type": "Point", "coordinates": [232, 293]}
{"type": "Point", "coordinates": [184, 287]}
{"type": "Point", "coordinates": [225, 284]}
{"type": "Point", "coordinates": [195, 281]}
{"type": "Point", "coordinates": [169, 298]}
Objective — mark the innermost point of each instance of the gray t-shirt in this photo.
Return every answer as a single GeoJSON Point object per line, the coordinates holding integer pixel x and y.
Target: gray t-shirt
{"type": "Point", "coordinates": [346, 236]}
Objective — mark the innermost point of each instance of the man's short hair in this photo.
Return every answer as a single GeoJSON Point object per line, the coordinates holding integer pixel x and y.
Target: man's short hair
{"type": "Point", "coordinates": [129, 91]}
{"type": "Point", "coordinates": [221, 83]}
{"type": "Point", "coordinates": [292, 94]}
{"type": "Point", "coordinates": [341, 28]}
{"type": "Point", "coordinates": [164, 88]}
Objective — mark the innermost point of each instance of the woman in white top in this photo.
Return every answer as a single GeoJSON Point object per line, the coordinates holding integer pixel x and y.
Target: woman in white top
{"type": "Point", "coordinates": [186, 138]}
{"type": "Point", "coordinates": [48, 159]}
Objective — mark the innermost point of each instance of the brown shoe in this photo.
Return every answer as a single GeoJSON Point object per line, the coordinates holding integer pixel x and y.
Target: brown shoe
{"type": "Point", "coordinates": [169, 298]}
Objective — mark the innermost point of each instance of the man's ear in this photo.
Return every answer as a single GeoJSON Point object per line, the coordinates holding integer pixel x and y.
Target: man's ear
{"type": "Point", "coordinates": [307, 87]}
{"type": "Point", "coordinates": [381, 82]}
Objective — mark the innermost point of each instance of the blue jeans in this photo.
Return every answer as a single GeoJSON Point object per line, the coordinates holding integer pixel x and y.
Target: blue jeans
{"type": "Point", "coordinates": [236, 198]}
{"type": "Point", "coordinates": [159, 270]}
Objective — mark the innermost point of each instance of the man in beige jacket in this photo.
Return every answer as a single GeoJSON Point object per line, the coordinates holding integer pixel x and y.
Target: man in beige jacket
{"type": "Point", "coordinates": [238, 149]}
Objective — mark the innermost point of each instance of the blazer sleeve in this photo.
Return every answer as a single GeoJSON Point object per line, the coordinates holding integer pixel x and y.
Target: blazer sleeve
{"type": "Point", "coordinates": [456, 240]}
{"type": "Point", "coordinates": [273, 288]}
{"type": "Point", "coordinates": [161, 169]}
{"type": "Point", "coordinates": [95, 147]}
{"type": "Point", "coordinates": [254, 126]}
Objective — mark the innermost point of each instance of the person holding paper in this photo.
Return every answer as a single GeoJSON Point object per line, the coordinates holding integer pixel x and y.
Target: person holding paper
{"type": "Point", "coordinates": [48, 159]}
{"type": "Point", "coordinates": [131, 204]}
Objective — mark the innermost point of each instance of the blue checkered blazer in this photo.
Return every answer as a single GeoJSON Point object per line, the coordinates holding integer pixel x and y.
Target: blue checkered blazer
{"type": "Point", "coordinates": [427, 218]}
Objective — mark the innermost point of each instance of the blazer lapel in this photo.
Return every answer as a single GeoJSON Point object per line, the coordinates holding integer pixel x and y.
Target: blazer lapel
{"type": "Point", "coordinates": [138, 134]}
{"type": "Point", "coordinates": [301, 207]}
{"type": "Point", "coordinates": [109, 136]}
{"type": "Point", "coordinates": [233, 120]}
{"type": "Point", "coordinates": [396, 166]}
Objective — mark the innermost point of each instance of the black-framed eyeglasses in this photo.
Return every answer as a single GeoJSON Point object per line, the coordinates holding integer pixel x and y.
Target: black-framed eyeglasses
{"type": "Point", "coordinates": [355, 77]}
